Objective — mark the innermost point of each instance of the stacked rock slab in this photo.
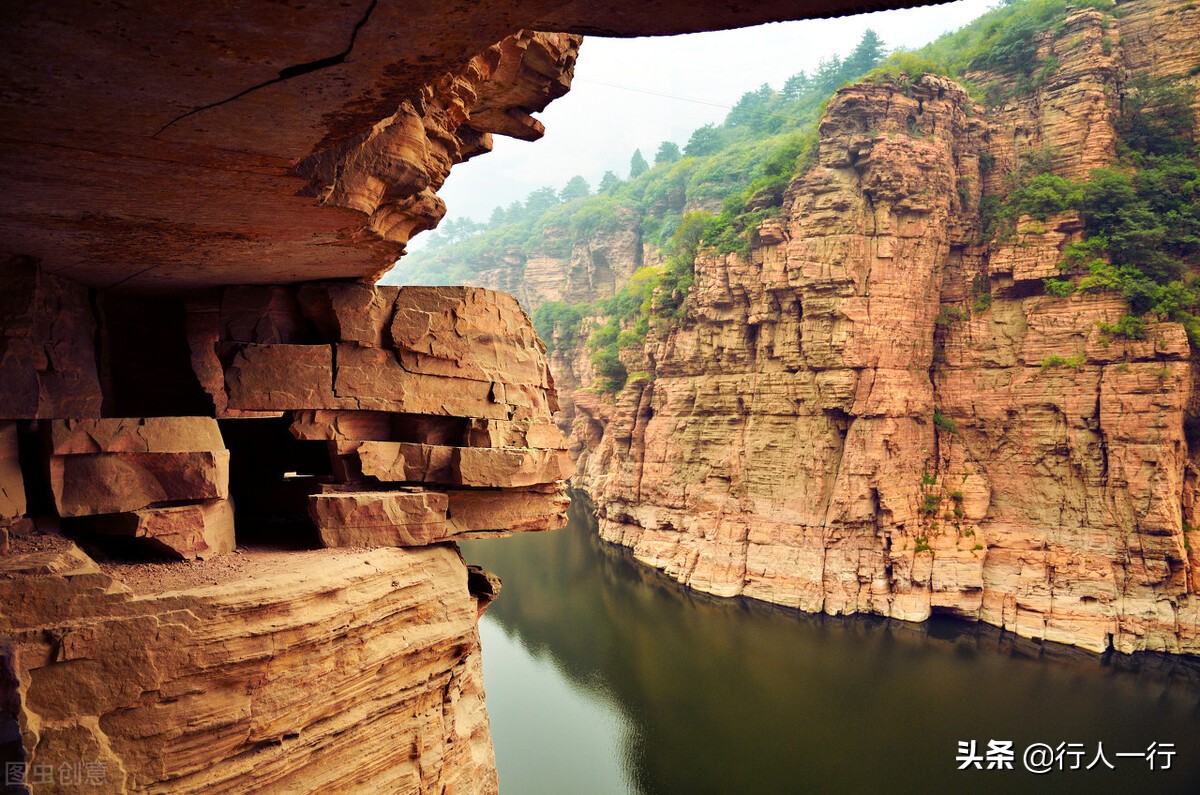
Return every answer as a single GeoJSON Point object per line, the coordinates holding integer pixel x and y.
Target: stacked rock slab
{"type": "Point", "coordinates": [163, 479]}
{"type": "Point", "coordinates": [433, 410]}
{"type": "Point", "coordinates": [434, 403]}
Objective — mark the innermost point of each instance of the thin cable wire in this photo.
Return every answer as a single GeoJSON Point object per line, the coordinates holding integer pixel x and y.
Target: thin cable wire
{"type": "Point", "coordinates": [654, 93]}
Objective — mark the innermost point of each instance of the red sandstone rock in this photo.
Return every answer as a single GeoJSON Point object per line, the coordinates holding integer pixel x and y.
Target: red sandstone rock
{"type": "Point", "coordinates": [518, 511]}
{"type": "Point", "coordinates": [461, 466]}
{"type": "Point", "coordinates": [791, 445]}
{"type": "Point", "coordinates": [503, 433]}
{"type": "Point", "coordinates": [85, 485]}
{"type": "Point", "coordinates": [203, 328]}
{"type": "Point", "coordinates": [338, 426]}
{"type": "Point", "coordinates": [12, 481]}
{"type": "Point", "coordinates": [280, 377]}
{"type": "Point", "coordinates": [47, 345]}
{"type": "Point", "coordinates": [370, 378]}
{"type": "Point", "coordinates": [135, 435]}
{"type": "Point", "coordinates": [467, 332]}
{"type": "Point", "coordinates": [178, 679]}
{"type": "Point", "coordinates": [381, 518]}
{"type": "Point", "coordinates": [265, 315]}
{"type": "Point", "coordinates": [196, 531]}
{"type": "Point", "coordinates": [358, 313]}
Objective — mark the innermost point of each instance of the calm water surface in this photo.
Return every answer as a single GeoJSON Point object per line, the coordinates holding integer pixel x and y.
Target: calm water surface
{"type": "Point", "coordinates": [603, 676]}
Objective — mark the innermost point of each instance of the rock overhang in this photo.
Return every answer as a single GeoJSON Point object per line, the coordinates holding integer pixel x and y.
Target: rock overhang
{"type": "Point", "coordinates": [160, 148]}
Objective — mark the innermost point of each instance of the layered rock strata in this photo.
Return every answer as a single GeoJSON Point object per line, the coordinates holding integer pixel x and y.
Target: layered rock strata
{"type": "Point", "coordinates": [151, 152]}
{"type": "Point", "coordinates": [841, 423]}
{"type": "Point", "coordinates": [400, 418]}
{"type": "Point", "coordinates": [143, 687]}
{"type": "Point", "coordinates": [443, 387]}
{"type": "Point", "coordinates": [589, 268]}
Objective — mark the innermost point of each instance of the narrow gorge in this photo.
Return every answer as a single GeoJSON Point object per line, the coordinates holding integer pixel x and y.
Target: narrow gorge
{"type": "Point", "coordinates": [902, 364]}
{"type": "Point", "coordinates": [909, 392]}
{"type": "Point", "coordinates": [233, 469]}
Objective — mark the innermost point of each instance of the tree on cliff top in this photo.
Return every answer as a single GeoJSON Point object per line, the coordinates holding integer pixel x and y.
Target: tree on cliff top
{"type": "Point", "coordinates": [608, 183]}
{"type": "Point", "coordinates": [668, 152]}
{"type": "Point", "coordinates": [866, 56]}
{"type": "Point", "coordinates": [705, 141]}
{"type": "Point", "coordinates": [539, 201]}
{"type": "Point", "coordinates": [637, 164]}
{"type": "Point", "coordinates": [576, 188]}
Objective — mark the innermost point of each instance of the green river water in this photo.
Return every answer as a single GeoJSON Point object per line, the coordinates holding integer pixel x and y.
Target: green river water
{"type": "Point", "coordinates": [604, 676]}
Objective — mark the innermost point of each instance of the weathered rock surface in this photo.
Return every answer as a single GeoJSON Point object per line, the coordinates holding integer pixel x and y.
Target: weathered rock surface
{"type": "Point", "coordinates": [381, 518]}
{"type": "Point", "coordinates": [211, 687]}
{"type": "Point", "coordinates": [135, 435]}
{"type": "Point", "coordinates": [12, 481]}
{"type": "Point", "coordinates": [281, 143]}
{"type": "Point", "coordinates": [593, 267]}
{"type": "Point", "coordinates": [47, 345]}
{"type": "Point", "coordinates": [157, 151]}
{"type": "Point", "coordinates": [119, 465]}
{"type": "Point", "coordinates": [462, 466]}
{"type": "Point", "coordinates": [194, 531]}
{"type": "Point", "coordinates": [201, 678]}
{"type": "Point", "coordinates": [516, 511]}
{"type": "Point", "coordinates": [836, 426]}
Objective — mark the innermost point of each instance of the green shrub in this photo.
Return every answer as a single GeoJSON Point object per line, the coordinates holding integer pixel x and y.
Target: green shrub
{"type": "Point", "coordinates": [556, 316]}
{"type": "Point", "coordinates": [944, 423]}
{"type": "Point", "coordinates": [1059, 288]}
{"type": "Point", "coordinates": [1130, 327]}
{"type": "Point", "coordinates": [1070, 362]}
{"type": "Point", "coordinates": [948, 315]}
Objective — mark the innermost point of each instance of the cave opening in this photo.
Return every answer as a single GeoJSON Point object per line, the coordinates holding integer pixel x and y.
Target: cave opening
{"type": "Point", "coordinates": [145, 360]}
{"type": "Point", "coordinates": [271, 475]}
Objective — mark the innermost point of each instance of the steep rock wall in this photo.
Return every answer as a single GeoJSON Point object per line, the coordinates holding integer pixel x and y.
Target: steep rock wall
{"type": "Point", "coordinates": [592, 267]}
{"type": "Point", "coordinates": [831, 426]}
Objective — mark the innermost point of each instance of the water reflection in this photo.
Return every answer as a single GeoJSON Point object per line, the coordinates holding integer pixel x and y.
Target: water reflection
{"type": "Point", "coordinates": [650, 687]}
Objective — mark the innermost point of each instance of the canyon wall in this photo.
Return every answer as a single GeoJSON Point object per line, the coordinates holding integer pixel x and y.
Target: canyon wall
{"type": "Point", "coordinates": [840, 421]}
{"type": "Point", "coordinates": [227, 513]}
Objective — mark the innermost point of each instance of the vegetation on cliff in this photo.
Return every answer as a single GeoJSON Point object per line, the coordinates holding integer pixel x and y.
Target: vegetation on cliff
{"type": "Point", "coordinates": [1141, 216]}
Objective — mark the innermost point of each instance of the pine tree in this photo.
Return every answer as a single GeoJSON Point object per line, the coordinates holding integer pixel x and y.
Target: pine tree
{"type": "Point", "coordinates": [539, 201]}
{"type": "Point", "coordinates": [704, 141]}
{"type": "Point", "coordinates": [576, 188]}
{"type": "Point", "coordinates": [637, 164]}
{"type": "Point", "coordinates": [608, 183]}
{"type": "Point", "coordinates": [668, 152]}
{"type": "Point", "coordinates": [865, 57]}
{"type": "Point", "coordinates": [795, 85]}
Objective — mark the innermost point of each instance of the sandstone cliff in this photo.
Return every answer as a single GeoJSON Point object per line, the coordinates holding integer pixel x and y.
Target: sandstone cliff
{"type": "Point", "coordinates": [591, 267]}
{"type": "Point", "coordinates": [362, 430]}
{"type": "Point", "coordinates": [839, 423]}
{"type": "Point", "coordinates": [156, 159]}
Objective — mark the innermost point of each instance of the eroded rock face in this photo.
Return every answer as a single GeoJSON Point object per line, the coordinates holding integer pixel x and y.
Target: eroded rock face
{"type": "Point", "coordinates": [212, 685]}
{"type": "Point", "coordinates": [401, 418]}
{"type": "Point", "coordinates": [159, 150]}
{"type": "Point", "coordinates": [280, 143]}
{"type": "Point", "coordinates": [47, 353]}
{"type": "Point", "coordinates": [835, 426]}
{"type": "Point", "coordinates": [593, 267]}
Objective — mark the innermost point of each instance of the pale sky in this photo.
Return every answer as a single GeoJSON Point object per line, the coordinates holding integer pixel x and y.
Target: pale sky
{"type": "Point", "coordinates": [616, 102]}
